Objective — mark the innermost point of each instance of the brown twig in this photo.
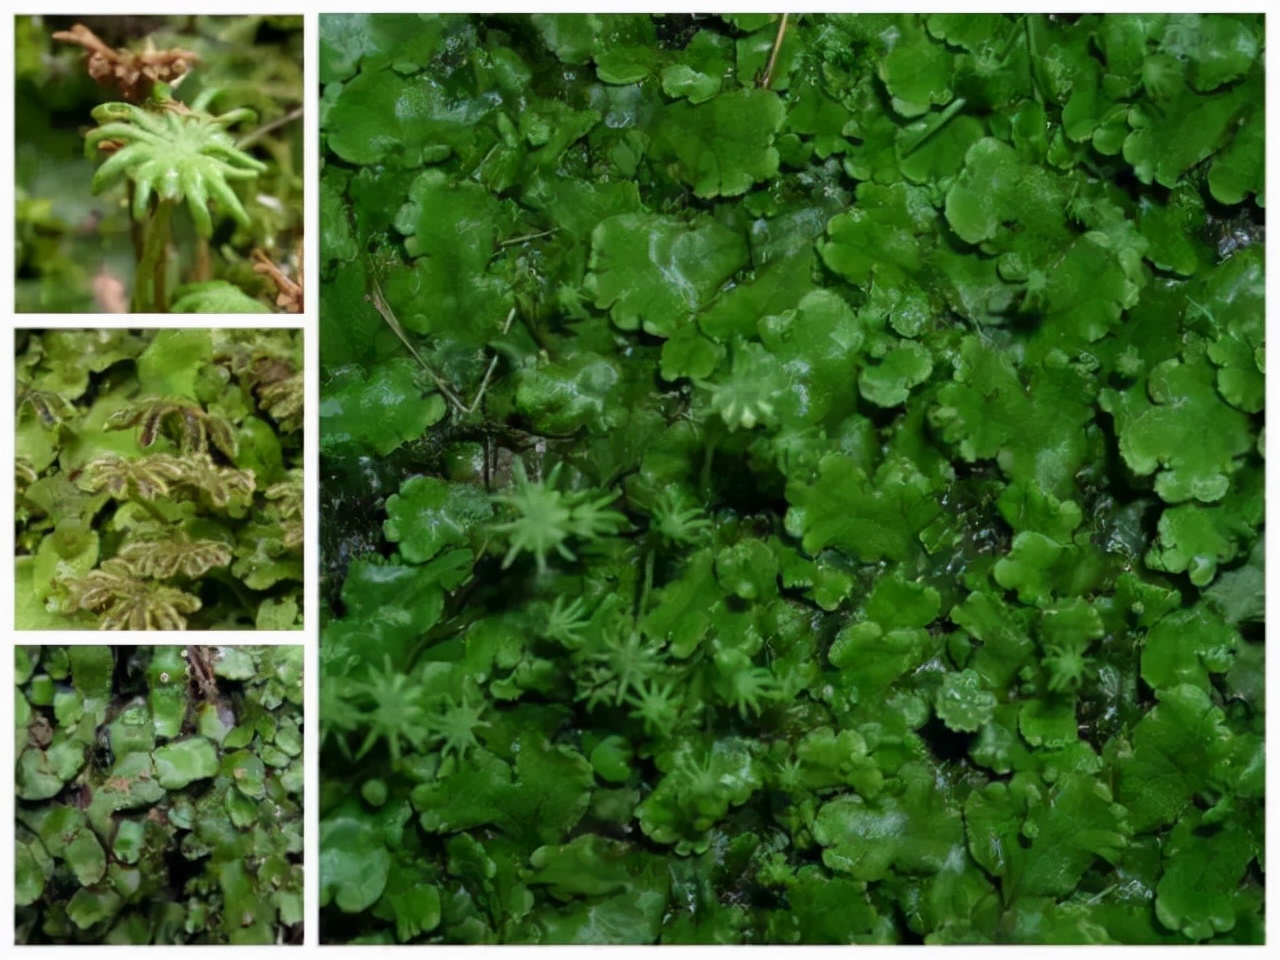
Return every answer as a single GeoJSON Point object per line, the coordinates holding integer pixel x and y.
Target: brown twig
{"type": "Point", "coordinates": [200, 662]}
{"type": "Point", "coordinates": [767, 77]}
{"type": "Point", "coordinates": [247, 141]}
{"type": "Point", "coordinates": [380, 304]}
{"type": "Point", "coordinates": [526, 238]}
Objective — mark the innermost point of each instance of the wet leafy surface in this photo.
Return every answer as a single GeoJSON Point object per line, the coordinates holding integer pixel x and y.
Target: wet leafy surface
{"type": "Point", "coordinates": [820, 499]}
{"type": "Point", "coordinates": [159, 795]}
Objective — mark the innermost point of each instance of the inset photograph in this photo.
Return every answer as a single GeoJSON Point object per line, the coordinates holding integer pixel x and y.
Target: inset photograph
{"type": "Point", "coordinates": [159, 479]}
{"type": "Point", "coordinates": [159, 164]}
{"type": "Point", "coordinates": [159, 795]}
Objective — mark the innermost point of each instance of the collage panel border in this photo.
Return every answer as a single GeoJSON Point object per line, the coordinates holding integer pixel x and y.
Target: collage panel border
{"type": "Point", "coordinates": [309, 635]}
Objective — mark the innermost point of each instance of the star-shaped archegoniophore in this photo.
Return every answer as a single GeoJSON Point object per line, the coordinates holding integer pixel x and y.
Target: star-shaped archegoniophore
{"type": "Point", "coordinates": [175, 154]}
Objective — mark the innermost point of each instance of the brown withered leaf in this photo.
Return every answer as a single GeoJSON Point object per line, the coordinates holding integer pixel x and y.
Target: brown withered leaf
{"type": "Point", "coordinates": [133, 73]}
{"type": "Point", "coordinates": [289, 290]}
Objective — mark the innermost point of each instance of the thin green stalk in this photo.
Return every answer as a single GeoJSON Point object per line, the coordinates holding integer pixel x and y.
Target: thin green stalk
{"type": "Point", "coordinates": [954, 107]}
{"type": "Point", "coordinates": [155, 511]}
{"type": "Point", "coordinates": [646, 588]}
{"type": "Point", "coordinates": [704, 480]}
{"type": "Point", "coordinates": [1031, 57]}
{"type": "Point", "coordinates": [149, 283]}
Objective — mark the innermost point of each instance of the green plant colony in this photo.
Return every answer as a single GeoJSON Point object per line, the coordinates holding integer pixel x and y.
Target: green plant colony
{"type": "Point", "coordinates": [186, 192]}
{"type": "Point", "coordinates": [794, 484]}
{"type": "Point", "coordinates": [159, 479]}
{"type": "Point", "coordinates": [159, 795]}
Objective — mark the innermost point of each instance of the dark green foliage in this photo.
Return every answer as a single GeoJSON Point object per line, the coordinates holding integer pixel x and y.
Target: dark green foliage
{"type": "Point", "coordinates": [159, 795]}
{"type": "Point", "coordinates": [818, 511]}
